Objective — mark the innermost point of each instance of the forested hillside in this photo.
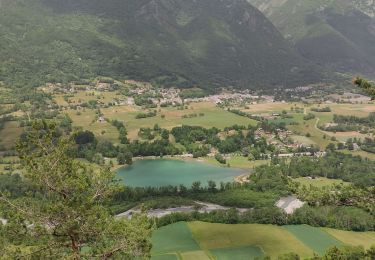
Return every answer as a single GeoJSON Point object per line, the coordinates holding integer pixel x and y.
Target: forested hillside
{"type": "Point", "coordinates": [339, 34]}
{"type": "Point", "coordinates": [208, 43]}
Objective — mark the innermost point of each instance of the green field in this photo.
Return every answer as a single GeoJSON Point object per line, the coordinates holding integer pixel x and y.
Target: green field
{"type": "Point", "coordinates": [318, 137]}
{"type": "Point", "coordinates": [318, 182]}
{"type": "Point", "coordinates": [365, 239]}
{"type": "Point", "coordinates": [315, 238]}
{"type": "Point", "coordinates": [370, 156]}
{"type": "Point", "coordinates": [272, 239]}
{"type": "Point", "coordinates": [173, 238]}
{"type": "Point", "coordinates": [165, 257]}
{"type": "Point", "coordinates": [201, 241]}
{"type": "Point", "coordinates": [237, 162]}
{"type": "Point", "coordinates": [213, 117]}
{"type": "Point", "coordinates": [245, 252]}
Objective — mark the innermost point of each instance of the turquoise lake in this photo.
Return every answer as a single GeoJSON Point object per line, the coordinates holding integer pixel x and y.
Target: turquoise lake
{"type": "Point", "coordinates": [158, 173]}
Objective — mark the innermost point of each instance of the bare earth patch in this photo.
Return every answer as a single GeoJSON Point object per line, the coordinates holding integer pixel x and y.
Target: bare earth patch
{"type": "Point", "coordinates": [289, 204]}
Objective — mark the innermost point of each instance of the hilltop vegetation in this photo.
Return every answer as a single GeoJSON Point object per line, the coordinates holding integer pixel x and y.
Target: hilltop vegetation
{"type": "Point", "coordinates": [173, 43]}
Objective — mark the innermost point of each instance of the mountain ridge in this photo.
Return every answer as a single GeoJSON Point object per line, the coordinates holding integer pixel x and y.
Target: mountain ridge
{"type": "Point", "coordinates": [338, 34]}
{"type": "Point", "coordinates": [208, 43]}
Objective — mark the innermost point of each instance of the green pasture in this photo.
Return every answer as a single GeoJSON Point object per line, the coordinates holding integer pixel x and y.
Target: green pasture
{"type": "Point", "coordinates": [173, 238]}
{"type": "Point", "coordinates": [276, 107]}
{"type": "Point", "coordinates": [85, 96]}
{"type": "Point", "coordinates": [303, 140]}
{"type": "Point", "coordinates": [317, 135]}
{"type": "Point", "coordinates": [195, 255]}
{"type": "Point", "coordinates": [318, 182]}
{"type": "Point", "coordinates": [309, 127]}
{"type": "Point", "coordinates": [213, 117]}
{"type": "Point", "coordinates": [273, 240]}
{"type": "Point", "coordinates": [165, 257]}
{"type": "Point", "coordinates": [364, 154]}
{"type": "Point", "coordinates": [246, 252]}
{"type": "Point", "coordinates": [314, 238]}
{"type": "Point", "coordinates": [87, 121]}
{"type": "Point", "coordinates": [236, 161]}
{"type": "Point", "coordinates": [365, 239]}
{"type": "Point", "coordinates": [360, 110]}
{"type": "Point", "coordinates": [201, 241]}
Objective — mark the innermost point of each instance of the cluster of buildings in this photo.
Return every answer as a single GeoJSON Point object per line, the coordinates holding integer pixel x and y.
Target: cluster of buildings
{"type": "Point", "coordinates": [228, 97]}
{"type": "Point", "coordinates": [281, 139]}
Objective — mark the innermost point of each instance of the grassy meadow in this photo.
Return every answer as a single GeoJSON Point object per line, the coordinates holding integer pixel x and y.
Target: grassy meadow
{"type": "Point", "coordinates": [310, 127]}
{"type": "Point", "coordinates": [200, 240]}
{"type": "Point", "coordinates": [365, 239]}
{"type": "Point", "coordinates": [318, 182]}
{"type": "Point", "coordinates": [213, 117]}
{"type": "Point", "coordinates": [236, 162]}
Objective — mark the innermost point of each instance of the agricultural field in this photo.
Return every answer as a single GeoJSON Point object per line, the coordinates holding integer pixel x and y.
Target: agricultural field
{"type": "Point", "coordinates": [236, 162]}
{"type": "Point", "coordinates": [315, 238]}
{"type": "Point", "coordinates": [87, 120]}
{"type": "Point", "coordinates": [365, 239]}
{"type": "Point", "coordinates": [209, 115]}
{"type": "Point", "coordinates": [318, 182]}
{"type": "Point", "coordinates": [363, 154]}
{"type": "Point", "coordinates": [359, 110]}
{"type": "Point", "coordinates": [199, 240]}
{"type": "Point", "coordinates": [212, 116]}
{"type": "Point", "coordinates": [309, 127]}
{"type": "Point", "coordinates": [276, 107]}
{"type": "Point", "coordinates": [304, 128]}
{"type": "Point", "coordinates": [86, 96]}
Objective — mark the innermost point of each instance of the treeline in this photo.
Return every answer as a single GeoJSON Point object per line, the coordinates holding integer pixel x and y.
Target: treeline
{"type": "Point", "coordinates": [355, 169]}
{"type": "Point", "coordinates": [309, 116]}
{"type": "Point", "coordinates": [337, 195]}
{"type": "Point", "coordinates": [88, 147]}
{"type": "Point", "coordinates": [244, 114]}
{"type": "Point", "coordinates": [196, 138]}
{"type": "Point", "coordinates": [344, 218]}
{"type": "Point", "coordinates": [367, 145]}
{"type": "Point", "coordinates": [345, 123]}
{"type": "Point", "coordinates": [341, 128]}
{"type": "Point", "coordinates": [321, 110]}
{"type": "Point", "coordinates": [354, 120]}
{"type": "Point", "coordinates": [122, 131]}
{"type": "Point", "coordinates": [146, 115]}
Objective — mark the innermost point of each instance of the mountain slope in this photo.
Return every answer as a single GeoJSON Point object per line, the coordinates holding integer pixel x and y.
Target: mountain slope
{"type": "Point", "coordinates": [209, 43]}
{"type": "Point", "coordinates": [339, 34]}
